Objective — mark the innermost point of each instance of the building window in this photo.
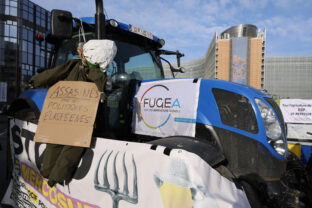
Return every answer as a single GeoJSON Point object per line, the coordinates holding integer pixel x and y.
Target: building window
{"type": "Point", "coordinates": [30, 35]}
{"type": "Point", "coordinates": [13, 3]}
{"type": "Point", "coordinates": [25, 14]}
{"type": "Point", "coordinates": [13, 31]}
{"type": "Point", "coordinates": [31, 5]}
{"type": "Point", "coordinates": [13, 11]}
{"type": "Point", "coordinates": [244, 31]}
{"type": "Point", "coordinates": [24, 46]}
{"type": "Point", "coordinates": [31, 17]}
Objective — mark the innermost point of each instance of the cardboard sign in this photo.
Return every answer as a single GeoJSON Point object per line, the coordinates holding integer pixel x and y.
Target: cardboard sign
{"type": "Point", "coordinates": [68, 114]}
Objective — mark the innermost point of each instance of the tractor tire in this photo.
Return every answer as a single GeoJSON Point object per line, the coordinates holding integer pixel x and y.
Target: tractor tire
{"type": "Point", "coordinates": [253, 195]}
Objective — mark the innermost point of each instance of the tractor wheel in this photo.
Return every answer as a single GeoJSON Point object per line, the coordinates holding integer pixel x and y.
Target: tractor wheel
{"type": "Point", "coordinates": [253, 195]}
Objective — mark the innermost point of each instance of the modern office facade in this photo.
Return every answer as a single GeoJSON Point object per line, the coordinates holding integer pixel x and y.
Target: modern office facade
{"type": "Point", "coordinates": [238, 54]}
{"type": "Point", "coordinates": [235, 55]}
{"type": "Point", "coordinates": [21, 54]}
{"type": "Point", "coordinates": [288, 77]}
{"type": "Point", "coordinates": [194, 69]}
{"type": "Point", "coordinates": [284, 76]}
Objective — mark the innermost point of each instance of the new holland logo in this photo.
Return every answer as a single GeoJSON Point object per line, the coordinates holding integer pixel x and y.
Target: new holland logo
{"type": "Point", "coordinates": [158, 103]}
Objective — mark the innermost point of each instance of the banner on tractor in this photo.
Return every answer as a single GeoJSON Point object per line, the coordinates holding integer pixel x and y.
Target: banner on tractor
{"type": "Point", "coordinates": [166, 108]}
{"type": "Point", "coordinates": [301, 132]}
{"type": "Point", "coordinates": [118, 174]}
{"type": "Point", "coordinates": [296, 110]}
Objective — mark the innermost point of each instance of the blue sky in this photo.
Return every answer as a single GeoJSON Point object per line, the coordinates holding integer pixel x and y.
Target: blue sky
{"type": "Point", "coordinates": [189, 25]}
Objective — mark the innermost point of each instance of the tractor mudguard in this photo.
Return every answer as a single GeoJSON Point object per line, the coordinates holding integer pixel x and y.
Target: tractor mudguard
{"type": "Point", "coordinates": [22, 107]}
{"type": "Point", "coordinates": [30, 99]}
{"type": "Point", "coordinates": [203, 148]}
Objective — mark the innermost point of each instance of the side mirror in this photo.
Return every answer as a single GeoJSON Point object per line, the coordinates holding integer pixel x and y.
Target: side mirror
{"type": "Point", "coordinates": [182, 69]}
{"type": "Point", "coordinates": [174, 69]}
{"type": "Point", "coordinates": [61, 24]}
{"type": "Point", "coordinates": [179, 69]}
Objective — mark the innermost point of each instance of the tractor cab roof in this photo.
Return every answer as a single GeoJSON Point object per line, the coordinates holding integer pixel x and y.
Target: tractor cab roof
{"type": "Point", "coordinates": [118, 31]}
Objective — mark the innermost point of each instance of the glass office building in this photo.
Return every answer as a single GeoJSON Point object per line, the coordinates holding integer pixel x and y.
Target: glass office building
{"type": "Point", "coordinates": [21, 54]}
{"type": "Point", "coordinates": [288, 76]}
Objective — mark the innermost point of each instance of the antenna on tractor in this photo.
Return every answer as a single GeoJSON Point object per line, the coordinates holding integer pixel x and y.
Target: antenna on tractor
{"type": "Point", "coordinates": [99, 20]}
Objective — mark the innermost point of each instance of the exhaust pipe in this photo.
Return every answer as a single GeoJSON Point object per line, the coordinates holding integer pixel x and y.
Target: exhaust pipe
{"type": "Point", "coordinates": [99, 20]}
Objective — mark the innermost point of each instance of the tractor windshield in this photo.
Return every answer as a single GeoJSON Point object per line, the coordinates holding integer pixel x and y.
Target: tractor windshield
{"type": "Point", "coordinates": [131, 61]}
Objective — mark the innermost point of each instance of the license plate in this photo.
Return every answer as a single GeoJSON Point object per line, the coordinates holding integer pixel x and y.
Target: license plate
{"type": "Point", "coordinates": [141, 31]}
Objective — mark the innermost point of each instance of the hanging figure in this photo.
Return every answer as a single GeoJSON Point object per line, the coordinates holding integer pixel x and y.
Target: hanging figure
{"type": "Point", "coordinates": [60, 161]}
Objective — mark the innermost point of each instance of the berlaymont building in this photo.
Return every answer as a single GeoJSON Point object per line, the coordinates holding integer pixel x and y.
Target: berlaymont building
{"type": "Point", "coordinates": [238, 55]}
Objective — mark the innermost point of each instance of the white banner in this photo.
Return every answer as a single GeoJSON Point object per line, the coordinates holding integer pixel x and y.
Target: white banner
{"type": "Point", "coordinates": [299, 131]}
{"type": "Point", "coordinates": [296, 110]}
{"type": "Point", "coordinates": [3, 91]}
{"type": "Point", "coordinates": [118, 174]}
{"type": "Point", "coordinates": [166, 108]}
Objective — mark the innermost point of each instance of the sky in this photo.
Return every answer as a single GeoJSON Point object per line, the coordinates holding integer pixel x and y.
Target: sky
{"type": "Point", "coordinates": [189, 25]}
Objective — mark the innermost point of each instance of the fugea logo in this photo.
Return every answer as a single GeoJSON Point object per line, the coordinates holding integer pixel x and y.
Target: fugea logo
{"type": "Point", "coordinates": [157, 100]}
{"type": "Point", "coordinates": [164, 103]}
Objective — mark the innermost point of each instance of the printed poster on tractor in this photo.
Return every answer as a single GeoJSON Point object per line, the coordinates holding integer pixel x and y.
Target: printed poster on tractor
{"type": "Point", "coordinates": [118, 174]}
{"type": "Point", "coordinates": [166, 108]}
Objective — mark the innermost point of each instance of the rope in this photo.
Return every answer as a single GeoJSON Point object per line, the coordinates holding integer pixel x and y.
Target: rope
{"type": "Point", "coordinates": [80, 48]}
{"type": "Point", "coordinates": [81, 30]}
{"type": "Point", "coordinates": [80, 52]}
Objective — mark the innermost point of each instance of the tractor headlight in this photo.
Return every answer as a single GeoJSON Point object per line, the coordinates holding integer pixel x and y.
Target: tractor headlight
{"type": "Point", "coordinates": [272, 127]}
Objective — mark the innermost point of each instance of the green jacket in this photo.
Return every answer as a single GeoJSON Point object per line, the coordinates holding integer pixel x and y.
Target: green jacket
{"type": "Point", "coordinates": [71, 71]}
{"type": "Point", "coordinates": [59, 161]}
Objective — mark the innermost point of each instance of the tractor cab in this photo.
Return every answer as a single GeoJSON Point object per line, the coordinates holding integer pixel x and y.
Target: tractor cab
{"type": "Point", "coordinates": [137, 59]}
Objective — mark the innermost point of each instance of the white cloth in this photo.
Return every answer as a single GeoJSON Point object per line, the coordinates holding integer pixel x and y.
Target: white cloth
{"type": "Point", "coordinates": [100, 52]}
{"type": "Point", "coordinates": [208, 200]}
{"type": "Point", "coordinates": [176, 173]}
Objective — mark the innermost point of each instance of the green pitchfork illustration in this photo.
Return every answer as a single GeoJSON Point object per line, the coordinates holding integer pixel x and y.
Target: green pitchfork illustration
{"type": "Point", "coordinates": [114, 191]}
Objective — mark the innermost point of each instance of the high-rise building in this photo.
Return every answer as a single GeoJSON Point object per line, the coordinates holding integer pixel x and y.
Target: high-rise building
{"type": "Point", "coordinates": [237, 55]}
{"type": "Point", "coordinates": [21, 54]}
